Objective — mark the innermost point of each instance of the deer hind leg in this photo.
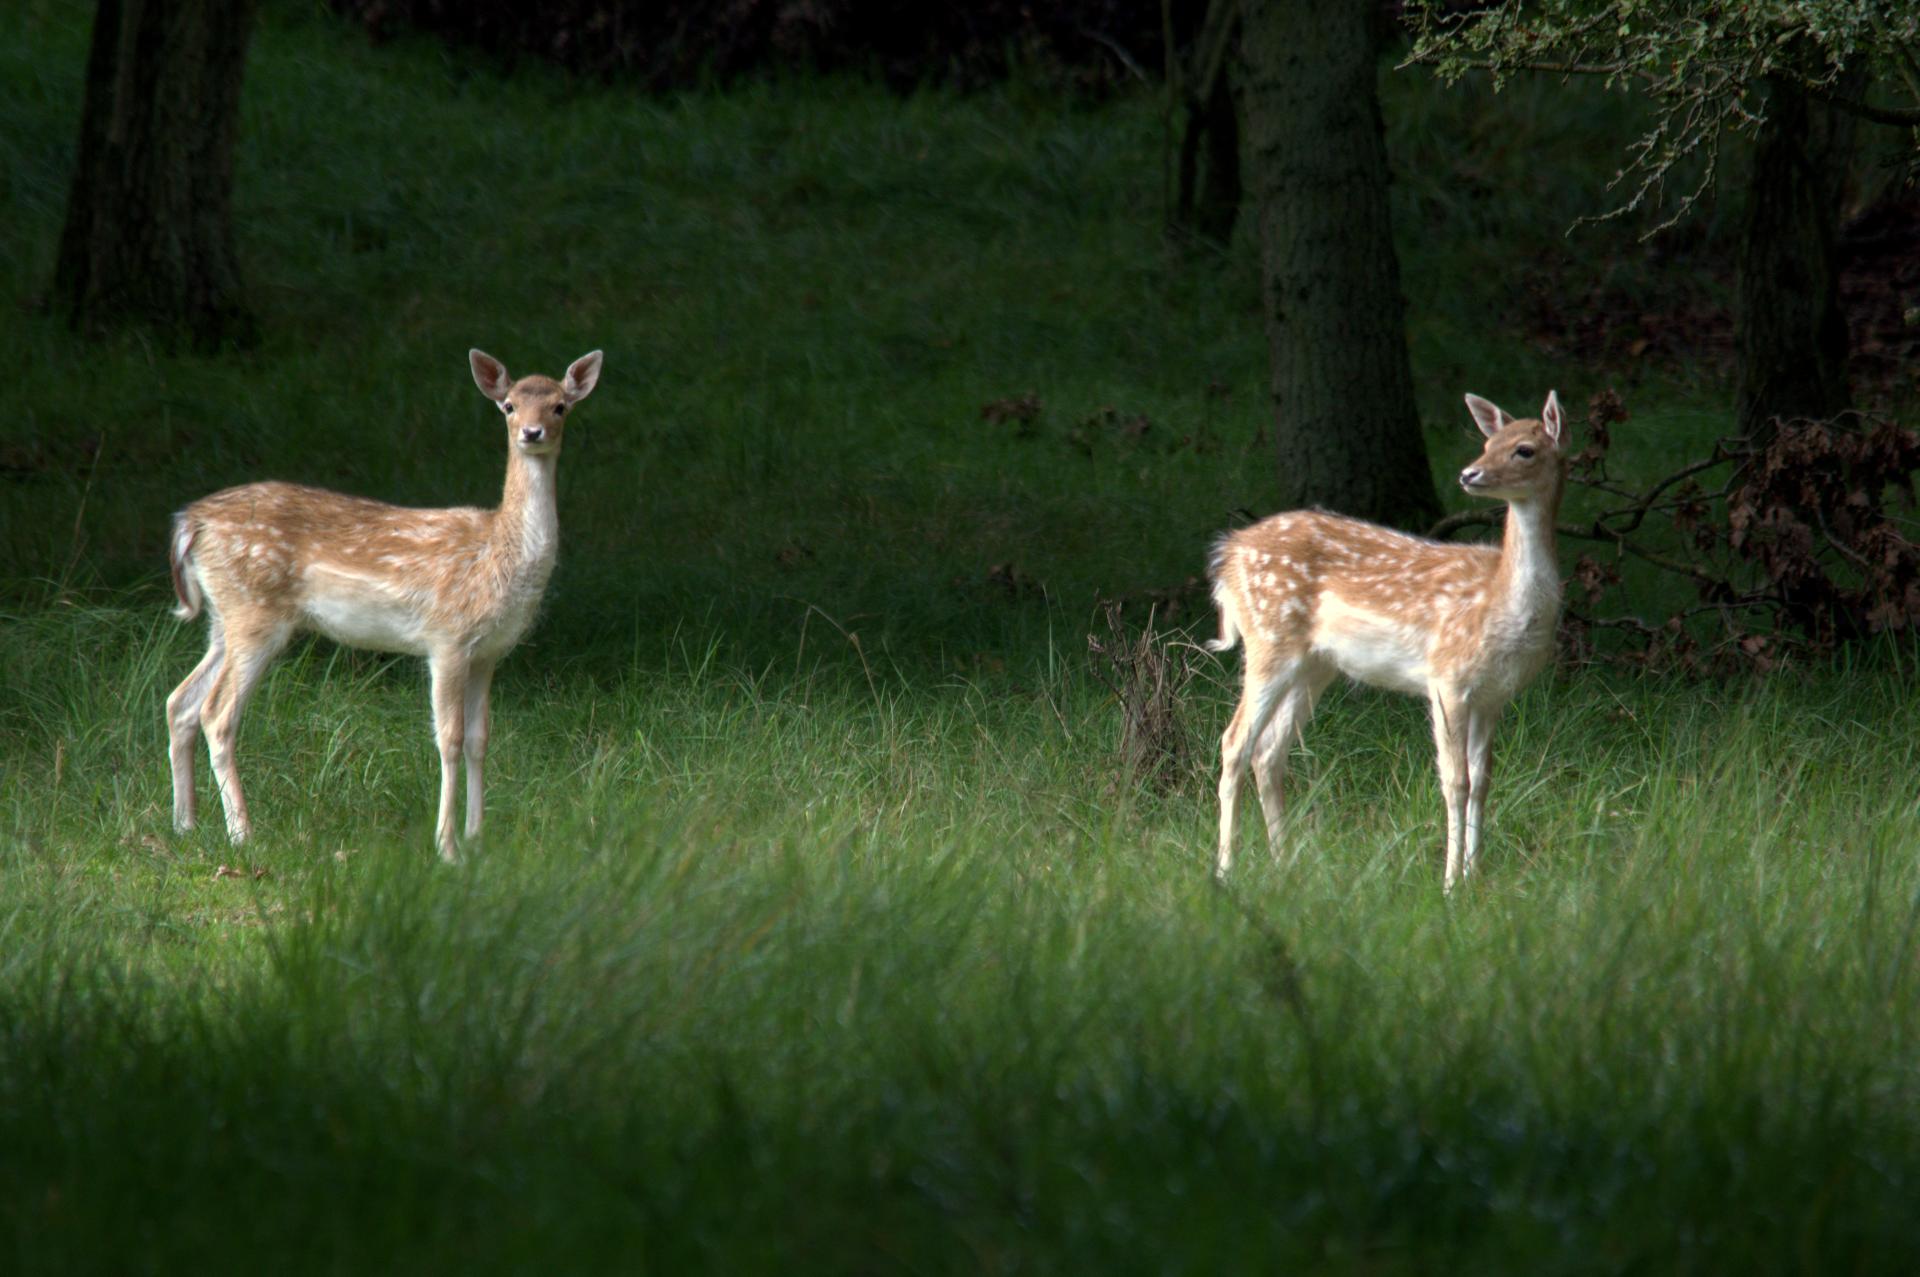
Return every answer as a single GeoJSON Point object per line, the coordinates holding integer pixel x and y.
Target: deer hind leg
{"type": "Point", "coordinates": [183, 725]}
{"type": "Point", "coordinates": [449, 672]}
{"type": "Point", "coordinates": [1264, 691]}
{"type": "Point", "coordinates": [1282, 734]}
{"type": "Point", "coordinates": [248, 653]}
{"type": "Point", "coordinates": [1450, 750]}
{"type": "Point", "coordinates": [477, 710]}
{"type": "Point", "coordinates": [1480, 725]}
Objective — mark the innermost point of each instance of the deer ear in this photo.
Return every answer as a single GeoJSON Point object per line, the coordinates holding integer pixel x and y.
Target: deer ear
{"type": "Point", "coordinates": [1490, 418]}
{"type": "Point", "coordinates": [581, 376]}
{"type": "Point", "coordinates": [1554, 420]}
{"type": "Point", "coordinates": [490, 375]}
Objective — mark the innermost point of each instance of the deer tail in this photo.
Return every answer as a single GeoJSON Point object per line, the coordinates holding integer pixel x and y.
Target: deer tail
{"type": "Point", "coordinates": [1222, 600]}
{"type": "Point", "coordinates": [186, 581]}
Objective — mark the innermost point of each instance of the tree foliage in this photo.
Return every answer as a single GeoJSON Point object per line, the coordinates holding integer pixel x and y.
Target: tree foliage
{"type": "Point", "coordinates": [1703, 65]}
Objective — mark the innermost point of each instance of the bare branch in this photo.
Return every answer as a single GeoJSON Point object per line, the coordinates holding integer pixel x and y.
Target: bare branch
{"type": "Point", "coordinates": [1899, 116]}
{"type": "Point", "coordinates": [1721, 455]}
{"type": "Point", "coordinates": [1427, 57]}
{"type": "Point", "coordinates": [1119, 52]}
{"type": "Point", "coordinates": [1464, 519]}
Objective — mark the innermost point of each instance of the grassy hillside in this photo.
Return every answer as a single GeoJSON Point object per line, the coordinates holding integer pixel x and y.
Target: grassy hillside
{"type": "Point", "coordinates": [790, 952]}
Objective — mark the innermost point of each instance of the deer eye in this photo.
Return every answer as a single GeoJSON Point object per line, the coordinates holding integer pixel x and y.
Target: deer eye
{"type": "Point", "coordinates": [506, 405]}
{"type": "Point", "coordinates": [559, 410]}
{"type": "Point", "coordinates": [1523, 452]}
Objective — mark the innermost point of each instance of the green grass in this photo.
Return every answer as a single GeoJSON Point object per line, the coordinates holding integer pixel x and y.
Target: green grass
{"type": "Point", "coordinates": [754, 966]}
{"type": "Point", "coordinates": [786, 952]}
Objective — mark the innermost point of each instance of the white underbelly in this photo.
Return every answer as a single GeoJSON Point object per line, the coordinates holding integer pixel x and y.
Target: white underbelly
{"type": "Point", "coordinates": [1371, 647]}
{"type": "Point", "coordinates": [379, 629]}
{"type": "Point", "coordinates": [364, 611]}
{"type": "Point", "coordinates": [378, 613]}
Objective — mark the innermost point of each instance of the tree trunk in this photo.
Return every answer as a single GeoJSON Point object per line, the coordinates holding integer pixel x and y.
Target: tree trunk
{"type": "Point", "coordinates": [1791, 335]}
{"type": "Point", "coordinates": [1219, 204]}
{"type": "Point", "coordinates": [149, 228]}
{"type": "Point", "coordinates": [1345, 427]}
{"type": "Point", "coordinates": [1206, 206]}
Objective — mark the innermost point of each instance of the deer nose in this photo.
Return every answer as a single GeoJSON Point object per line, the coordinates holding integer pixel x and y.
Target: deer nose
{"type": "Point", "coordinates": [532, 434]}
{"type": "Point", "coordinates": [1470, 477]}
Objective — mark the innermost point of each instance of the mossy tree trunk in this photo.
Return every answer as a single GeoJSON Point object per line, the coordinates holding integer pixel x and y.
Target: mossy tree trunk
{"type": "Point", "coordinates": [149, 226]}
{"type": "Point", "coordinates": [1791, 334]}
{"type": "Point", "coordinates": [1345, 427]}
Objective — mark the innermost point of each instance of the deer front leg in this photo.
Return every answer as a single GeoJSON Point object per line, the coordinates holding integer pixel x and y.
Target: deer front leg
{"type": "Point", "coordinates": [1450, 749]}
{"type": "Point", "coordinates": [478, 713]}
{"type": "Point", "coordinates": [183, 727]}
{"type": "Point", "coordinates": [449, 676]}
{"type": "Point", "coordinates": [1480, 724]}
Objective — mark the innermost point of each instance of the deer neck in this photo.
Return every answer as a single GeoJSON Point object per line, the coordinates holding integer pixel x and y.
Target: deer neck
{"type": "Point", "coordinates": [1529, 576]}
{"type": "Point", "coordinates": [526, 528]}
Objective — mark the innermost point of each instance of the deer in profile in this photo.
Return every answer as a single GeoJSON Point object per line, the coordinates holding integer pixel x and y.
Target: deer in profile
{"type": "Point", "coordinates": [1312, 594]}
{"type": "Point", "coordinates": [458, 586]}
